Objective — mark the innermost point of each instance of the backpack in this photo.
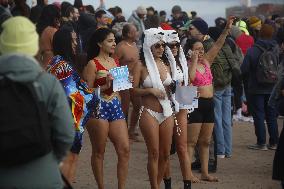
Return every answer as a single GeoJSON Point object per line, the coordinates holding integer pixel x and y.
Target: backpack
{"type": "Point", "coordinates": [25, 128]}
{"type": "Point", "coordinates": [267, 66]}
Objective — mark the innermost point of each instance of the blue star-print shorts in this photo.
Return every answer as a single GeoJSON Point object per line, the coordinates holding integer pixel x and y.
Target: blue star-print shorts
{"type": "Point", "coordinates": [111, 110]}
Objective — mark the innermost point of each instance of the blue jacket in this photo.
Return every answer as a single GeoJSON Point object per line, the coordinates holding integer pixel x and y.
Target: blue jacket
{"type": "Point", "coordinates": [249, 67]}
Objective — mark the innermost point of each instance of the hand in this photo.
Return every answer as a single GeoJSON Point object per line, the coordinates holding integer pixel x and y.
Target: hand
{"type": "Point", "coordinates": [188, 54]}
{"type": "Point", "coordinates": [194, 56]}
{"type": "Point", "coordinates": [230, 21]}
{"type": "Point", "coordinates": [173, 87]}
{"type": "Point", "coordinates": [130, 79]}
{"type": "Point", "coordinates": [158, 93]}
{"type": "Point", "coordinates": [198, 94]}
{"type": "Point", "coordinates": [109, 80]}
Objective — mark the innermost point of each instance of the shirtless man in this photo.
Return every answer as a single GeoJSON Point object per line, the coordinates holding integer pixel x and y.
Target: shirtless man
{"type": "Point", "coordinates": [127, 53]}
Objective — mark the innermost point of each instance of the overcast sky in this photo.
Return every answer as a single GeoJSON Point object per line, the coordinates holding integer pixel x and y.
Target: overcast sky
{"type": "Point", "coordinates": [207, 9]}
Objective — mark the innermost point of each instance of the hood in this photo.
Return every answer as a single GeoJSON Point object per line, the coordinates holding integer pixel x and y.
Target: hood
{"type": "Point", "coordinates": [18, 67]}
{"type": "Point", "coordinates": [266, 43]}
{"type": "Point", "coordinates": [134, 14]}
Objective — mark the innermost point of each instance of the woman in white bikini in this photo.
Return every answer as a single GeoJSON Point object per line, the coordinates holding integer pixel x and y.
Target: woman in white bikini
{"type": "Point", "coordinates": [179, 70]}
{"type": "Point", "coordinates": [156, 121]}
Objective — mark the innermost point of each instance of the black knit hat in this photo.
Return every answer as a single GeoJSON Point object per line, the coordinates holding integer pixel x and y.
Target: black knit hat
{"type": "Point", "coordinates": [214, 32]}
{"type": "Point", "coordinates": [200, 25]}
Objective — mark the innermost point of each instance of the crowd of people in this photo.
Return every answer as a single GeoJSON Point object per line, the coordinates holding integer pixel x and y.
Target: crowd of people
{"type": "Point", "coordinates": [236, 67]}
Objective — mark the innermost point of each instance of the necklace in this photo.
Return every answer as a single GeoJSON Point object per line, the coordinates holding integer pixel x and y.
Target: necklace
{"type": "Point", "coordinates": [133, 43]}
{"type": "Point", "coordinates": [163, 64]}
{"type": "Point", "coordinates": [106, 59]}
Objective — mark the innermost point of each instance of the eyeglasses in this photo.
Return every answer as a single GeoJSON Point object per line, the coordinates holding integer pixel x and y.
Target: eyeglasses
{"type": "Point", "coordinates": [173, 45]}
{"type": "Point", "coordinates": [159, 45]}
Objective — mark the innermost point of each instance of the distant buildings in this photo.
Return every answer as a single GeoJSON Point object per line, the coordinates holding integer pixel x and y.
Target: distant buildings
{"type": "Point", "coordinates": [262, 9]}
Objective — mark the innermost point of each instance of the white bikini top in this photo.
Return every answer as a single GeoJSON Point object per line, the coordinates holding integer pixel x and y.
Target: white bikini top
{"type": "Point", "coordinates": [148, 83]}
{"type": "Point", "coordinates": [179, 75]}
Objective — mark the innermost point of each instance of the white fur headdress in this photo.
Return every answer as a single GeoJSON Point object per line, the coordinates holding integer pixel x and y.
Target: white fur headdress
{"type": "Point", "coordinates": [172, 36]}
{"type": "Point", "coordinates": [153, 36]}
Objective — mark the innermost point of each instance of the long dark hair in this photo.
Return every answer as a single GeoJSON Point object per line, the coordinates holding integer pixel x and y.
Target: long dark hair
{"type": "Point", "coordinates": [189, 45]}
{"type": "Point", "coordinates": [62, 43]}
{"type": "Point", "coordinates": [47, 18]}
{"type": "Point", "coordinates": [142, 57]}
{"type": "Point", "coordinates": [177, 58]}
{"type": "Point", "coordinates": [97, 37]}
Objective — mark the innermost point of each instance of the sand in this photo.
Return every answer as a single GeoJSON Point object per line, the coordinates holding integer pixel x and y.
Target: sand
{"type": "Point", "coordinates": [247, 169]}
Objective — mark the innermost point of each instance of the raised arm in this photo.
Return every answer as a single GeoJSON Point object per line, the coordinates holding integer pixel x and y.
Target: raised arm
{"type": "Point", "coordinates": [193, 65]}
{"type": "Point", "coordinates": [213, 51]}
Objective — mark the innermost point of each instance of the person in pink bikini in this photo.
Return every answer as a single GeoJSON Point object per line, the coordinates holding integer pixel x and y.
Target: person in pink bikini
{"type": "Point", "coordinates": [201, 120]}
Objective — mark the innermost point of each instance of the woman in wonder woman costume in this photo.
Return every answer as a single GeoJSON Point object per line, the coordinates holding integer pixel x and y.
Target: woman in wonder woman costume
{"type": "Point", "coordinates": [110, 121]}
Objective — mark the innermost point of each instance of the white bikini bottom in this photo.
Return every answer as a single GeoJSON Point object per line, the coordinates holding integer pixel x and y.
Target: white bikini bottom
{"type": "Point", "coordinates": [157, 115]}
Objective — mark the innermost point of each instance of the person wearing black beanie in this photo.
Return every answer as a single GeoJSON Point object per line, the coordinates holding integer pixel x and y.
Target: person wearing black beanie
{"type": "Point", "coordinates": [214, 32]}
{"type": "Point", "coordinates": [200, 25]}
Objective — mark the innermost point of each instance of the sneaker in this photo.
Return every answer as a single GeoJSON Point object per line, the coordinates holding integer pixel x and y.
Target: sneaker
{"type": "Point", "coordinates": [236, 117]}
{"type": "Point", "coordinates": [228, 156]}
{"type": "Point", "coordinates": [258, 147]}
{"type": "Point", "coordinates": [251, 119]}
{"type": "Point", "coordinates": [221, 156]}
{"type": "Point", "coordinates": [272, 146]}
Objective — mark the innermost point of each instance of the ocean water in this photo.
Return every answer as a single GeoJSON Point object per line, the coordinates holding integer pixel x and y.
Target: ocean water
{"type": "Point", "coordinates": [207, 9]}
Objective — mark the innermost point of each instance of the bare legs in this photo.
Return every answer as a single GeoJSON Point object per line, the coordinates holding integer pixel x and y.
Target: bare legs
{"type": "Point", "coordinates": [158, 141]}
{"type": "Point", "coordinates": [118, 134]}
{"type": "Point", "coordinates": [126, 98]}
{"type": "Point", "coordinates": [181, 145]}
{"type": "Point", "coordinates": [193, 131]}
{"type": "Point", "coordinates": [203, 145]}
{"type": "Point", "coordinates": [99, 130]}
{"type": "Point", "coordinates": [69, 165]}
{"type": "Point", "coordinates": [201, 133]}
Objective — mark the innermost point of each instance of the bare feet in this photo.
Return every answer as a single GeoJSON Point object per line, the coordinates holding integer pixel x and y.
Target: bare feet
{"type": "Point", "coordinates": [209, 178]}
{"type": "Point", "coordinates": [194, 179]}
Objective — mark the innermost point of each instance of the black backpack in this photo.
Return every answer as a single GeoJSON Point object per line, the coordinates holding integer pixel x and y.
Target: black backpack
{"type": "Point", "coordinates": [24, 123]}
{"type": "Point", "coordinates": [267, 67]}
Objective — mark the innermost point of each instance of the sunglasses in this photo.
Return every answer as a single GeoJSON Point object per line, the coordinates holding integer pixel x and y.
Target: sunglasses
{"type": "Point", "coordinates": [159, 45]}
{"type": "Point", "coordinates": [173, 45]}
